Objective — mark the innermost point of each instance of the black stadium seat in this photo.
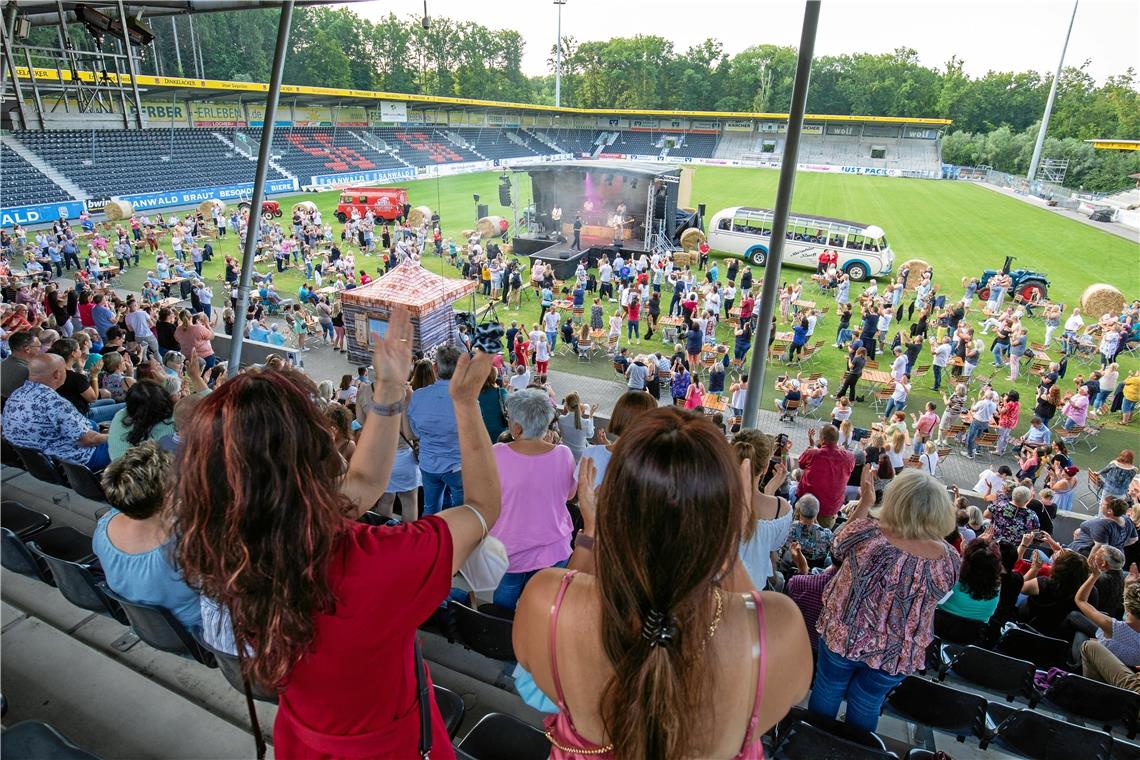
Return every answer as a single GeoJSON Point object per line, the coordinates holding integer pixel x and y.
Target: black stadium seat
{"type": "Point", "coordinates": [22, 521]}
{"type": "Point", "coordinates": [951, 628]}
{"type": "Point", "coordinates": [83, 481]}
{"type": "Point", "coordinates": [40, 467]}
{"type": "Point", "coordinates": [79, 585]}
{"type": "Point", "coordinates": [450, 707]}
{"type": "Point", "coordinates": [230, 666]}
{"type": "Point", "coordinates": [17, 557]}
{"type": "Point", "coordinates": [504, 737]}
{"type": "Point", "coordinates": [805, 740]}
{"type": "Point", "coordinates": [487, 634]}
{"type": "Point", "coordinates": [1100, 704]}
{"type": "Point", "coordinates": [1041, 737]}
{"type": "Point", "coordinates": [161, 630]}
{"type": "Point", "coordinates": [940, 707]}
{"type": "Point", "coordinates": [1043, 651]}
{"type": "Point", "coordinates": [1001, 673]}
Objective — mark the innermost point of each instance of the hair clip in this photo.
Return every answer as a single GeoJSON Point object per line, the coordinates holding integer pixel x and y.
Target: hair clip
{"type": "Point", "coordinates": [658, 629]}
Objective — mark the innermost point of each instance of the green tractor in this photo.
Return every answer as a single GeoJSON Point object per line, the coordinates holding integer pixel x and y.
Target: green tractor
{"type": "Point", "coordinates": [1030, 285]}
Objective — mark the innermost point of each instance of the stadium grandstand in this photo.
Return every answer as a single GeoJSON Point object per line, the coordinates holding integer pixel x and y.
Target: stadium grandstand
{"type": "Point", "coordinates": [374, 532]}
{"type": "Point", "coordinates": [203, 133]}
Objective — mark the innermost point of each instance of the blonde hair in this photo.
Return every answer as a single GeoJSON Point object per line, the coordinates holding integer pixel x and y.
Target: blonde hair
{"type": "Point", "coordinates": [1132, 599]}
{"type": "Point", "coordinates": [930, 447]}
{"type": "Point", "coordinates": [916, 507]}
{"type": "Point", "coordinates": [898, 441]}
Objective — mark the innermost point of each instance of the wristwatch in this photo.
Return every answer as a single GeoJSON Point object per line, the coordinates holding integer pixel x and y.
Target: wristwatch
{"type": "Point", "coordinates": [386, 410]}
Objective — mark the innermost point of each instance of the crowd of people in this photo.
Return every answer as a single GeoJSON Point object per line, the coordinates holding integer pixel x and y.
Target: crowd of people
{"type": "Point", "coordinates": [648, 556]}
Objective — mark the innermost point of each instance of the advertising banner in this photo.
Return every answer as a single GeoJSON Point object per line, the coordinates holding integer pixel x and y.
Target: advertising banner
{"type": "Point", "coordinates": [217, 114]}
{"type": "Point", "coordinates": [738, 126]}
{"type": "Point", "coordinates": [41, 213]}
{"type": "Point", "coordinates": [257, 116]}
{"type": "Point", "coordinates": [360, 178]}
{"type": "Point", "coordinates": [194, 196]}
{"type": "Point", "coordinates": [170, 113]}
{"type": "Point", "coordinates": [812, 129]}
{"type": "Point", "coordinates": [312, 116]}
{"type": "Point", "coordinates": [393, 111]}
{"type": "Point", "coordinates": [350, 116]}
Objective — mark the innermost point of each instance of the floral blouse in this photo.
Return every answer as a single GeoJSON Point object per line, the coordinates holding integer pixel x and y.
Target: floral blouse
{"type": "Point", "coordinates": [879, 607]}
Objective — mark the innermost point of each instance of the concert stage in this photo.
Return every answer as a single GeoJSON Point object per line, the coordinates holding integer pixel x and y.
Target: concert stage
{"type": "Point", "coordinates": [565, 261]}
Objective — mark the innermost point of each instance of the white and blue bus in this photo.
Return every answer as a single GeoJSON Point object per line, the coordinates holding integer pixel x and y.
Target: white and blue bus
{"type": "Point", "coordinates": [863, 248]}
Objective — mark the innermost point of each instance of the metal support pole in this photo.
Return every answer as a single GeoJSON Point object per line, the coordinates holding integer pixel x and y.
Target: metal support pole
{"type": "Point", "coordinates": [1049, 103]}
{"type": "Point", "coordinates": [10, 62]}
{"type": "Point", "coordinates": [131, 68]}
{"type": "Point", "coordinates": [9, 22]}
{"type": "Point", "coordinates": [253, 231]}
{"type": "Point", "coordinates": [780, 216]}
{"type": "Point", "coordinates": [177, 47]}
{"type": "Point", "coordinates": [558, 57]}
{"type": "Point", "coordinates": [35, 85]}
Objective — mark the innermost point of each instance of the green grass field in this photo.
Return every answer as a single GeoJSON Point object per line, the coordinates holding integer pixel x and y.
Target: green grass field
{"type": "Point", "coordinates": [958, 227]}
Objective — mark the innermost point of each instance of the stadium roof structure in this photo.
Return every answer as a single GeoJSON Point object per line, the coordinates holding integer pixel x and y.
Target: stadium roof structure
{"type": "Point", "coordinates": [224, 90]}
{"type": "Point", "coordinates": [47, 12]}
{"type": "Point", "coordinates": [639, 168]}
{"type": "Point", "coordinates": [1113, 144]}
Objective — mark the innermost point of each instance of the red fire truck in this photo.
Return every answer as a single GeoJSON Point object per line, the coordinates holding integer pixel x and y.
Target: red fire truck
{"type": "Point", "coordinates": [385, 202]}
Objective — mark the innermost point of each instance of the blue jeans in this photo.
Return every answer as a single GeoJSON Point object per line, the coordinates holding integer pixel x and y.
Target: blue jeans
{"type": "Point", "coordinates": [100, 459]}
{"type": "Point", "coordinates": [864, 688]}
{"type": "Point", "coordinates": [103, 410]}
{"type": "Point", "coordinates": [937, 376]}
{"type": "Point", "coordinates": [551, 338]}
{"type": "Point", "coordinates": [843, 336]}
{"type": "Point", "coordinates": [893, 406]}
{"type": "Point", "coordinates": [434, 485]}
{"type": "Point", "coordinates": [999, 352]}
{"type": "Point", "coordinates": [512, 585]}
{"type": "Point", "coordinates": [633, 329]}
{"type": "Point", "coordinates": [1101, 397]}
{"type": "Point", "coordinates": [976, 429]}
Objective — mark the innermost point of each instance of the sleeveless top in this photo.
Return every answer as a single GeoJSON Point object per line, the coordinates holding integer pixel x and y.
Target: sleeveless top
{"type": "Point", "coordinates": [568, 744]}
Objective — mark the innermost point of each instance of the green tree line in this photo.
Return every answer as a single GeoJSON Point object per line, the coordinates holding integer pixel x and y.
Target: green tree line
{"type": "Point", "coordinates": [995, 115]}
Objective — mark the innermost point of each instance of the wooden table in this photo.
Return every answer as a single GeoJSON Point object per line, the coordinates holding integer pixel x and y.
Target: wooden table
{"type": "Point", "coordinates": [804, 304]}
{"type": "Point", "coordinates": [877, 377]}
{"type": "Point", "coordinates": [169, 303]}
{"type": "Point", "coordinates": [327, 290]}
{"type": "Point", "coordinates": [714, 404]}
{"type": "Point", "coordinates": [667, 321]}
{"type": "Point", "coordinates": [172, 280]}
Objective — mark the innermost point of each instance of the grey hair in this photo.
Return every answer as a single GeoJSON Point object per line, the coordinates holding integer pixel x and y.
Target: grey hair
{"type": "Point", "coordinates": [808, 506]}
{"type": "Point", "coordinates": [172, 357]}
{"type": "Point", "coordinates": [1113, 557]}
{"type": "Point", "coordinates": [1021, 496]}
{"type": "Point", "coordinates": [530, 409]}
{"type": "Point", "coordinates": [446, 357]}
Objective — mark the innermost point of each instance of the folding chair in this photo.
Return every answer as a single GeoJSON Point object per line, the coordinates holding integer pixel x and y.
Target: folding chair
{"type": "Point", "coordinates": [788, 411]}
{"type": "Point", "coordinates": [988, 442]}
{"type": "Point", "coordinates": [585, 350]}
{"type": "Point", "coordinates": [882, 396]}
{"type": "Point", "coordinates": [1095, 487]}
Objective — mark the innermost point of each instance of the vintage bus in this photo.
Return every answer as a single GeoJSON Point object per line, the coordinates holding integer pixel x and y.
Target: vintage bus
{"type": "Point", "coordinates": [863, 248]}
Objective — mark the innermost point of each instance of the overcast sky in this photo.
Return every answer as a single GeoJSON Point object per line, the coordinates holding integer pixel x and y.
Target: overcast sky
{"type": "Point", "coordinates": [988, 34]}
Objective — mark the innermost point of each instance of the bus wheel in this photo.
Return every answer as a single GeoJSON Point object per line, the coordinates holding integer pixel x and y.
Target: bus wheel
{"type": "Point", "coordinates": [857, 272]}
{"type": "Point", "coordinates": [759, 257]}
{"type": "Point", "coordinates": [340, 217]}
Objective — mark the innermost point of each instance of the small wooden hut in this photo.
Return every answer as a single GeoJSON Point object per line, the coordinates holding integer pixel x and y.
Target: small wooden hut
{"type": "Point", "coordinates": [427, 296]}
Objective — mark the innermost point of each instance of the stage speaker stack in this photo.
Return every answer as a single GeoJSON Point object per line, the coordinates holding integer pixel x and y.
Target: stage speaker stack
{"type": "Point", "coordinates": [482, 210]}
{"type": "Point", "coordinates": [504, 192]}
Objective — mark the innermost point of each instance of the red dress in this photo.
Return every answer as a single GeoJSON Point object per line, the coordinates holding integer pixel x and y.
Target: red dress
{"type": "Point", "coordinates": [353, 694]}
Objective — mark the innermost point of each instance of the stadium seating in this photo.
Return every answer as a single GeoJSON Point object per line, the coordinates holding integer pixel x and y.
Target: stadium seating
{"type": "Point", "coordinates": [307, 152]}
{"type": "Point", "coordinates": [576, 141]}
{"type": "Point", "coordinates": [494, 143]}
{"type": "Point", "coordinates": [696, 145]}
{"type": "Point", "coordinates": [24, 184]}
{"type": "Point", "coordinates": [106, 162]}
{"type": "Point", "coordinates": [636, 144]}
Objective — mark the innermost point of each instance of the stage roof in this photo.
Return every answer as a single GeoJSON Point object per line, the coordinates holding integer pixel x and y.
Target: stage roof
{"type": "Point", "coordinates": [222, 90]}
{"type": "Point", "coordinates": [638, 168]}
{"type": "Point", "coordinates": [1114, 144]}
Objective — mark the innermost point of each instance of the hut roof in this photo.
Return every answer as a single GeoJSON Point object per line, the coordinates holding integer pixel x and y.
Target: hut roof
{"type": "Point", "coordinates": [410, 285]}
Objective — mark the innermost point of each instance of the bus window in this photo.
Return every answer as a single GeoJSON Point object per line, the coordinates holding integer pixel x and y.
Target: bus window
{"type": "Point", "coordinates": [346, 199]}
{"type": "Point", "coordinates": [725, 223]}
{"type": "Point", "coordinates": [882, 243]}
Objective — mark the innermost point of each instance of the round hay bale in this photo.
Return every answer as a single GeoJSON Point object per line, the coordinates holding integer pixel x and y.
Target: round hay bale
{"type": "Point", "coordinates": [305, 207]}
{"type": "Point", "coordinates": [116, 210]}
{"type": "Point", "coordinates": [207, 207]}
{"type": "Point", "coordinates": [491, 226]}
{"type": "Point", "coordinates": [682, 259]}
{"type": "Point", "coordinates": [1101, 298]}
{"type": "Point", "coordinates": [917, 267]}
{"type": "Point", "coordinates": [691, 238]}
{"type": "Point", "coordinates": [418, 216]}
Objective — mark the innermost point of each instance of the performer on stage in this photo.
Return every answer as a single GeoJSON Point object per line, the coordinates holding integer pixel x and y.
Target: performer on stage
{"type": "Point", "coordinates": [577, 244]}
{"type": "Point", "coordinates": [556, 218]}
{"type": "Point", "coordinates": [621, 211]}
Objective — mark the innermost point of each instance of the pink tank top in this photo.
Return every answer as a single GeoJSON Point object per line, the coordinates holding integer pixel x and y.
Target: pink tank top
{"type": "Point", "coordinates": [560, 726]}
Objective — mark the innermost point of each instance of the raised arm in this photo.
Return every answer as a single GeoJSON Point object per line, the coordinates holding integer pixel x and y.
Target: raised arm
{"type": "Point", "coordinates": [481, 490]}
{"type": "Point", "coordinates": [1103, 622]}
{"type": "Point", "coordinates": [371, 465]}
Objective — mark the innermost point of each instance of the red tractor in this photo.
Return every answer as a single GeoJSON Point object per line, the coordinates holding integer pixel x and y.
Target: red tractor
{"type": "Point", "coordinates": [269, 209]}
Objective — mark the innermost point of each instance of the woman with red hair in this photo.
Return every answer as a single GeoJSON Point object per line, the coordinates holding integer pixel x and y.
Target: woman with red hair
{"type": "Point", "coordinates": [324, 609]}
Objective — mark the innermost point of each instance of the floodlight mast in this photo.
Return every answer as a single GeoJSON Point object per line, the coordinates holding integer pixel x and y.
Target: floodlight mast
{"type": "Point", "coordinates": [1049, 103]}
{"type": "Point", "coordinates": [558, 57]}
{"type": "Point", "coordinates": [780, 214]}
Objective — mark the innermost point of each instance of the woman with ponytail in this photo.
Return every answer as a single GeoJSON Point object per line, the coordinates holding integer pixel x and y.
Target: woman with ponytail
{"type": "Point", "coordinates": [645, 651]}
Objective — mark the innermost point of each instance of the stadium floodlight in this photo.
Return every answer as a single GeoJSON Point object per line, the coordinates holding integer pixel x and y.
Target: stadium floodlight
{"type": "Point", "coordinates": [558, 57]}
{"type": "Point", "coordinates": [1049, 103]}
